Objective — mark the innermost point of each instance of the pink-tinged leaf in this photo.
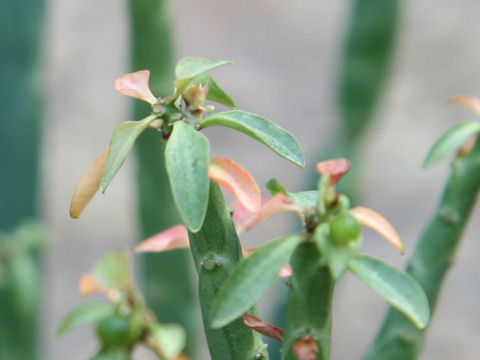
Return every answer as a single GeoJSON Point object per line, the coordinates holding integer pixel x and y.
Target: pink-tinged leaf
{"type": "Point", "coordinates": [277, 204]}
{"type": "Point", "coordinates": [88, 285]}
{"type": "Point", "coordinates": [471, 102]}
{"type": "Point", "coordinates": [88, 185]}
{"type": "Point", "coordinates": [173, 238]}
{"type": "Point", "coordinates": [377, 222]}
{"type": "Point", "coordinates": [336, 168]}
{"type": "Point", "coordinates": [285, 271]}
{"type": "Point", "coordinates": [262, 327]}
{"type": "Point", "coordinates": [136, 85]}
{"type": "Point", "coordinates": [238, 181]}
{"type": "Point", "coordinates": [306, 348]}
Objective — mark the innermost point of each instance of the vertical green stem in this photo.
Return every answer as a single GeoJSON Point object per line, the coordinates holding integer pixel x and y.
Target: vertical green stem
{"type": "Point", "coordinates": [399, 339]}
{"type": "Point", "coordinates": [21, 29]}
{"type": "Point", "coordinates": [309, 304]}
{"type": "Point", "coordinates": [216, 250]}
{"type": "Point", "coordinates": [167, 277]}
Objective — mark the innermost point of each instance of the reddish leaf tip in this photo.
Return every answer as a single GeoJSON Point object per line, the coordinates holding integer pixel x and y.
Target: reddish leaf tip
{"type": "Point", "coordinates": [233, 177]}
{"type": "Point", "coordinates": [173, 238]}
{"type": "Point", "coordinates": [263, 327]}
{"type": "Point", "coordinates": [136, 85]}
{"type": "Point", "coordinates": [306, 348]}
{"type": "Point", "coordinates": [336, 168]}
{"type": "Point", "coordinates": [469, 101]}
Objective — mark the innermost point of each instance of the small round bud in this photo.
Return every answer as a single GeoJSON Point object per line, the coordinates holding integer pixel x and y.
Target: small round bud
{"type": "Point", "coordinates": [344, 228]}
{"type": "Point", "coordinates": [115, 331]}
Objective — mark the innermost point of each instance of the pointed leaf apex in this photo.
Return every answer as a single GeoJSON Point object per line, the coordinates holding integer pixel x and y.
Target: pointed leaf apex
{"type": "Point", "coordinates": [377, 222]}
{"type": "Point", "coordinates": [88, 185]}
{"type": "Point", "coordinates": [136, 85]}
{"type": "Point", "coordinates": [238, 181]}
{"type": "Point", "coordinates": [336, 168]}
{"type": "Point", "coordinates": [263, 327]}
{"type": "Point", "coordinates": [277, 204]}
{"type": "Point", "coordinates": [175, 237]}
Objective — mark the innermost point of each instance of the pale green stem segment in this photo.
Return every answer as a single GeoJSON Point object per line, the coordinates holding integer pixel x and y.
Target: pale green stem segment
{"type": "Point", "coordinates": [216, 250]}
{"type": "Point", "coordinates": [167, 280]}
{"type": "Point", "coordinates": [309, 308]}
{"type": "Point", "coordinates": [399, 339]}
{"type": "Point", "coordinates": [21, 112]}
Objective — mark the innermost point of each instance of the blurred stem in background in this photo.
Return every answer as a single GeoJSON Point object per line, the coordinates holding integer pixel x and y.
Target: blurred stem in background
{"type": "Point", "coordinates": [167, 277]}
{"type": "Point", "coordinates": [398, 339]}
{"type": "Point", "coordinates": [21, 36]}
{"type": "Point", "coordinates": [365, 64]}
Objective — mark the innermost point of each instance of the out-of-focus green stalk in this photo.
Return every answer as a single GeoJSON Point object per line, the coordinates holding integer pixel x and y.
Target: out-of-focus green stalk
{"type": "Point", "coordinates": [166, 277]}
{"type": "Point", "coordinates": [365, 64]}
{"type": "Point", "coordinates": [366, 61]}
{"type": "Point", "coordinates": [216, 250]}
{"type": "Point", "coordinates": [21, 35]}
{"type": "Point", "coordinates": [309, 305]}
{"type": "Point", "coordinates": [399, 339]}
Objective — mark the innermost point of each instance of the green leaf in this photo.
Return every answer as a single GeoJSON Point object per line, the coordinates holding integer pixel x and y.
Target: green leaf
{"type": "Point", "coordinates": [113, 271]}
{"type": "Point", "coordinates": [251, 278]}
{"type": "Point", "coordinates": [395, 286]}
{"type": "Point", "coordinates": [275, 187]}
{"type": "Point", "coordinates": [187, 155]}
{"type": "Point", "coordinates": [190, 67]}
{"type": "Point", "coordinates": [86, 313]}
{"type": "Point", "coordinates": [265, 131]}
{"type": "Point", "coordinates": [305, 198]}
{"type": "Point", "coordinates": [215, 92]}
{"type": "Point", "coordinates": [455, 137]}
{"type": "Point", "coordinates": [121, 143]}
{"type": "Point", "coordinates": [336, 256]}
{"type": "Point", "coordinates": [170, 338]}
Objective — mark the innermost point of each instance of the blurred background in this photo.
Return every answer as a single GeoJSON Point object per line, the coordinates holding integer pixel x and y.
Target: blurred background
{"type": "Point", "coordinates": [287, 62]}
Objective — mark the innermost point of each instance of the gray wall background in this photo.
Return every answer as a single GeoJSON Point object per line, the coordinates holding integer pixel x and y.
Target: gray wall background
{"type": "Point", "coordinates": [286, 60]}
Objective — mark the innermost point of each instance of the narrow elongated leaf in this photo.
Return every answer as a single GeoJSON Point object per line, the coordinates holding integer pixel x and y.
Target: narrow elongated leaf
{"type": "Point", "coordinates": [264, 130]}
{"type": "Point", "coordinates": [215, 92]}
{"type": "Point", "coordinates": [113, 271]}
{"type": "Point", "coordinates": [175, 237]}
{"type": "Point", "coordinates": [89, 185]}
{"type": "Point", "coordinates": [86, 313]}
{"type": "Point", "coordinates": [190, 67]}
{"type": "Point", "coordinates": [377, 222]}
{"type": "Point", "coordinates": [455, 137]}
{"type": "Point", "coordinates": [395, 286]}
{"type": "Point", "coordinates": [251, 278]}
{"type": "Point", "coordinates": [233, 177]}
{"type": "Point", "coordinates": [187, 156]}
{"type": "Point", "coordinates": [121, 143]}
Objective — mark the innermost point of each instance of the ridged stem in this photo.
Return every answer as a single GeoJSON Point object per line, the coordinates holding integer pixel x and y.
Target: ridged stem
{"type": "Point", "coordinates": [216, 250]}
{"type": "Point", "coordinates": [309, 309]}
{"type": "Point", "coordinates": [167, 280]}
{"type": "Point", "coordinates": [399, 339]}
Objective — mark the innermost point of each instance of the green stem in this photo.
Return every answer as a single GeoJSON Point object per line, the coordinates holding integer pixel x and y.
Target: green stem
{"type": "Point", "coordinates": [167, 279]}
{"type": "Point", "coordinates": [399, 339]}
{"type": "Point", "coordinates": [368, 51]}
{"type": "Point", "coordinates": [216, 250]}
{"type": "Point", "coordinates": [309, 305]}
{"type": "Point", "coordinates": [21, 29]}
